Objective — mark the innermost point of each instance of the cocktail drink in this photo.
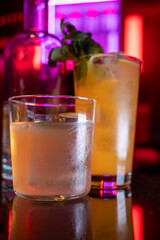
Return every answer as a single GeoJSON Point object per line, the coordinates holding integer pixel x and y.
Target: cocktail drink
{"type": "Point", "coordinates": [113, 81]}
{"type": "Point", "coordinates": [51, 146]}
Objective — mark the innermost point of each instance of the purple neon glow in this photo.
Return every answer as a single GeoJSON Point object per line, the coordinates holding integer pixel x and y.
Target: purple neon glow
{"type": "Point", "coordinates": [113, 42]}
{"type": "Point", "coordinates": [108, 10]}
{"type": "Point", "coordinates": [106, 194]}
{"type": "Point", "coordinates": [75, 14]}
{"type": "Point", "coordinates": [108, 184]}
{"type": "Point", "coordinates": [101, 18]}
{"type": "Point", "coordinates": [64, 2]}
{"type": "Point", "coordinates": [60, 14]}
{"type": "Point", "coordinates": [92, 13]}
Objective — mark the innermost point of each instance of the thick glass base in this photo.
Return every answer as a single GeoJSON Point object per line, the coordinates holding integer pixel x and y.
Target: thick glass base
{"type": "Point", "coordinates": [49, 198]}
{"type": "Point", "coordinates": [110, 193]}
{"type": "Point", "coordinates": [111, 182]}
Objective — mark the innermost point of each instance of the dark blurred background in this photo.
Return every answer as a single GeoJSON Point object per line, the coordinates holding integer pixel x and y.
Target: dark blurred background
{"type": "Point", "coordinates": [128, 25]}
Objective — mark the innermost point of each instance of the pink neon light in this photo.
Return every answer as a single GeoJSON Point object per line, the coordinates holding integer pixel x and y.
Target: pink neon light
{"type": "Point", "coordinates": [9, 224]}
{"type": "Point", "coordinates": [137, 217]}
{"type": "Point", "coordinates": [70, 65]}
{"type": "Point", "coordinates": [75, 14]}
{"type": "Point", "coordinates": [92, 13]}
{"type": "Point", "coordinates": [133, 36]}
{"type": "Point", "coordinates": [109, 10]}
{"type": "Point", "coordinates": [60, 15]}
{"type": "Point", "coordinates": [64, 2]}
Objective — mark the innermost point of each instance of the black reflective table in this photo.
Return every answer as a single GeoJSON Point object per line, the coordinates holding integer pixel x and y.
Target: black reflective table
{"type": "Point", "coordinates": [122, 215]}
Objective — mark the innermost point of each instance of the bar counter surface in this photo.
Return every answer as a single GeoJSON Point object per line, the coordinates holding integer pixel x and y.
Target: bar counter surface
{"type": "Point", "coordinates": [118, 215]}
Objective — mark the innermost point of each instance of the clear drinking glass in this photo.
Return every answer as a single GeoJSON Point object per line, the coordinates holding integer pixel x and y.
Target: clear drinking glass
{"type": "Point", "coordinates": [113, 80]}
{"type": "Point", "coordinates": [51, 146]}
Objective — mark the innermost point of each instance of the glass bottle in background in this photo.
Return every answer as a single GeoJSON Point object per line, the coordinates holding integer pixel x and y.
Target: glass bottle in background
{"type": "Point", "coordinates": [26, 65]}
{"type": "Point", "coordinates": [1, 104]}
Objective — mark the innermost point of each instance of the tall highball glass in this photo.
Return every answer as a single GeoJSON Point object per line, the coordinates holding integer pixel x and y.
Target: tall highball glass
{"type": "Point", "coordinates": [113, 80]}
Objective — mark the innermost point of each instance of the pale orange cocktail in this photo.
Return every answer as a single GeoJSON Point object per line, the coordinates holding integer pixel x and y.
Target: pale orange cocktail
{"type": "Point", "coordinates": [46, 160]}
{"type": "Point", "coordinates": [51, 146]}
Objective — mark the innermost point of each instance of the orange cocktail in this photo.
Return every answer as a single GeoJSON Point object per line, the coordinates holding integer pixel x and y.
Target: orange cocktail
{"type": "Point", "coordinates": [113, 81]}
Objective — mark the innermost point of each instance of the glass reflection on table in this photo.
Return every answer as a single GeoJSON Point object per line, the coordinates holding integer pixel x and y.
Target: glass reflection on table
{"type": "Point", "coordinates": [111, 214]}
{"type": "Point", "coordinates": [103, 215]}
{"type": "Point", "coordinates": [46, 220]}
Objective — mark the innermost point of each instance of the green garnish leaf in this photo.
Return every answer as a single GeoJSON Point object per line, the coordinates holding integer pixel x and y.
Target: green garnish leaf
{"type": "Point", "coordinates": [68, 53]}
{"type": "Point", "coordinates": [80, 48]}
{"type": "Point", "coordinates": [70, 28]}
{"type": "Point", "coordinates": [91, 47]}
{"type": "Point", "coordinates": [55, 56]}
{"type": "Point", "coordinates": [61, 54]}
{"type": "Point", "coordinates": [76, 36]}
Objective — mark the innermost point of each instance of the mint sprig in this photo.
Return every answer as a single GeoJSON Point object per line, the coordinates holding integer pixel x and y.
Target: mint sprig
{"type": "Point", "coordinates": [79, 49]}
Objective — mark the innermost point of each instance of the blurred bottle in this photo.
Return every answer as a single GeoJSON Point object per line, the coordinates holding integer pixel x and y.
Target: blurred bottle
{"type": "Point", "coordinates": [1, 104]}
{"type": "Point", "coordinates": [111, 214]}
{"type": "Point", "coordinates": [55, 220]}
{"type": "Point", "coordinates": [26, 65]}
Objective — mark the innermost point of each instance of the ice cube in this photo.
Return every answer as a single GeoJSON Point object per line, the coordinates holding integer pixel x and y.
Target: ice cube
{"type": "Point", "coordinates": [61, 118]}
{"type": "Point", "coordinates": [108, 65]}
{"type": "Point", "coordinates": [74, 117]}
{"type": "Point", "coordinates": [48, 118]}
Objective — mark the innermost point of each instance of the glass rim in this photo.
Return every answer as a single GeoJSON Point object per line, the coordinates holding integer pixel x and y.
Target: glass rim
{"type": "Point", "coordinates": [119, 55]}
{"type": "Point", "coordinates": [17, 100]}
